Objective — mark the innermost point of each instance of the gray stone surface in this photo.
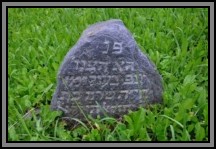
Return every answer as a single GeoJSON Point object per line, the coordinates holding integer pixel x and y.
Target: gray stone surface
{"type": "Point", "coordinates": [105, 72]}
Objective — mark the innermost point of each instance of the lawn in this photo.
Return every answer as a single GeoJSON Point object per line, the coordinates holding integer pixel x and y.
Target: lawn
{"type": "Point", "coordinates": [176, 40]}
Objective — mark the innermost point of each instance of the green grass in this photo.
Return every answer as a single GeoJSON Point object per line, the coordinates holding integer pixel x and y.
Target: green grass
{"type": "Point", "coordinates": [176, 40]}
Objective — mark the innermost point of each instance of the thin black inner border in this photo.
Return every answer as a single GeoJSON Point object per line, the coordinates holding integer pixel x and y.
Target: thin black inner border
{"type": "Point", "coordinates": [108, 141]}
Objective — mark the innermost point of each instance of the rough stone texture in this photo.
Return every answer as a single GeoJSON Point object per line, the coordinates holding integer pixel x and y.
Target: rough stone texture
{"type": "Point", "coordinates": [105, 72]}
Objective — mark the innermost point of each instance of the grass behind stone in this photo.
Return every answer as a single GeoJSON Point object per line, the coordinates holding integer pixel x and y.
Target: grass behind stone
{"type": "Point", "coordinates": [176, 40]}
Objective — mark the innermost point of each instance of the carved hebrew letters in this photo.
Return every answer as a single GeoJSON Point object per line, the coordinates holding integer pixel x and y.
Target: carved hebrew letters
{"type": "Point", "coordinates": [117, 48]}
{"type": "Point", "coordinates": [129, 66]}
{"type": "Point", "coordinates": [107, 95]}
{"type": "Point", "coordinates": [90, 66]}
{"type": "Point", "coordinates": [106, 42]}
{"type": "Point", "coordinates": [130, 79]}
{"type": "Point", "coordinates": [98, 75]}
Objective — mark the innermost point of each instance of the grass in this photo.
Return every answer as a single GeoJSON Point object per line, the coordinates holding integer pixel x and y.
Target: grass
{"type": "Point", "coordinates": [176, 40]}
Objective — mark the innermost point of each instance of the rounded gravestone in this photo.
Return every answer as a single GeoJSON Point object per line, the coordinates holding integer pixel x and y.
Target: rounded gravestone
{"type": "Point", "coordinates": [106, 73]}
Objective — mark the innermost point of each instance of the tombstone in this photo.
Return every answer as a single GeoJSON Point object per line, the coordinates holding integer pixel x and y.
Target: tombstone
{"type": "Point", "coordinates": [105, 74]}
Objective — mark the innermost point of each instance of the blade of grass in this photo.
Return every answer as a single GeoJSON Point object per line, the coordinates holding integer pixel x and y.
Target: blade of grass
{"type": "Point", "coordinates": [173, 132]}
{"type": "Point", "coordinates": [79, 121]}
{"type": "Point", "coordinates": [23, 122]}
{"type": "Point", "coordinates": [173, 120]}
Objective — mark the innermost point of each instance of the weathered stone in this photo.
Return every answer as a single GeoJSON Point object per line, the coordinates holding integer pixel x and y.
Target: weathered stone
{"type": "Point", "coordinates": [105, 72]}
